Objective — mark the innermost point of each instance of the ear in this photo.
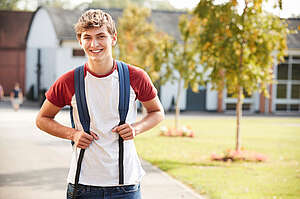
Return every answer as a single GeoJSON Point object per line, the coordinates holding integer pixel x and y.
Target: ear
{"type": "Point", "coordinates": [114, 39]}
{"type": "Point", "coordinates": [79, 41]}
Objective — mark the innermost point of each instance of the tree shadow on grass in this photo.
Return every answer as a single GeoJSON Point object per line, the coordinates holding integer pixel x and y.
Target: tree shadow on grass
{"type": "Point", "coordinates": [167, 165]}
{"type": "Point", "coordinates": [48, 179]}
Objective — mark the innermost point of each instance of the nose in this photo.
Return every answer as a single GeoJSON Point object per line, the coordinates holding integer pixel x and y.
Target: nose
{"type": "Point", "coordinates": [94, 43]}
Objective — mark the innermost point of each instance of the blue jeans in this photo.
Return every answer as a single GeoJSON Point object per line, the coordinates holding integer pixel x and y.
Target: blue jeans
{"type": "Point", "coordinates": [94, 192]}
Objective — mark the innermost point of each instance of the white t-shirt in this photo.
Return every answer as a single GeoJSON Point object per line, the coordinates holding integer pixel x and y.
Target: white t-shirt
{"type": "Point", "coordinates": [100, 162]}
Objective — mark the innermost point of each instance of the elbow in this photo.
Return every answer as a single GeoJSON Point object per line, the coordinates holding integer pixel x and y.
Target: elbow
{"type": "Point", "coordinates": [38, 122]}
{"type": "Point", "coordinates": [162, 114]}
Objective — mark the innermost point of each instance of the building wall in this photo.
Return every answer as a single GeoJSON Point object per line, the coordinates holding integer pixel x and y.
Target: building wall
{"type": "Point", "coordinates": [286, 92]}
{"type": "Point", "coordinates": [169, 91]}
{"type": "Point", "coordinates": [12, 68]}
{"type": "Point", "coordinates": [65, 60]}
{"type": "Point", "coordinates": [211, 98]}
{"type": "Point", "coordinates": [41, 36]}
{"type": "Point", "coordinates": [42, 32]}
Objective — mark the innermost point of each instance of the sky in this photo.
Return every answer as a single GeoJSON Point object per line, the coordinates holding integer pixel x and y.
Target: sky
{"type": "Point", "coordinates": [289, 7]}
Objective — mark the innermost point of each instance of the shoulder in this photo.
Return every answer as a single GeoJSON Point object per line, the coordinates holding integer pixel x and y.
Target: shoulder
{"type": "Point", "coordinates": [137, 74]}
{"type": "Point", "coordinates": [61, 92]}
{"type": "Point", "coordinates": [141, 83]}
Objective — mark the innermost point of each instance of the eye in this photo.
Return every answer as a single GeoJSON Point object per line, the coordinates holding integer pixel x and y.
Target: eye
{"type": "Point", "coordinates": [101, 36]}
{"type": "Point", "coordinates": [86, 37]}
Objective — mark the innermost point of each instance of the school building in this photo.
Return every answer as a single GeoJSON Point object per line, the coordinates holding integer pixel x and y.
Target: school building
{"type": "Point", "coordinates": [52, 49]}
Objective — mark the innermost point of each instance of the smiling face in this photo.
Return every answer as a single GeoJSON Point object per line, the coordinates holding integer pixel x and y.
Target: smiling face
{"type": "Point", "coordinates": [97, 43]}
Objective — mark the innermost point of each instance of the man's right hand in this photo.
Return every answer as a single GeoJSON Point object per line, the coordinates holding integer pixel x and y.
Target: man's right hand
{"type": "Point", "coordinates": [45, 121]}
{"type": "Point", "coordinates": [83, 140]}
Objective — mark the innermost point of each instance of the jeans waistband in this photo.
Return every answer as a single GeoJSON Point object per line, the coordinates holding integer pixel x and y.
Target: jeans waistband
{"type": "Point", "coordinates": [106, 188]}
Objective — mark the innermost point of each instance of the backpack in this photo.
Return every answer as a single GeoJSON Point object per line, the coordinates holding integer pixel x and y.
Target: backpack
{"type": "Point", "coordinates": [124, 96]}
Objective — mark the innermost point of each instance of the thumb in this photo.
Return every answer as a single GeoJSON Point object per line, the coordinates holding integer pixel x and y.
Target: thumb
{"type": "Point", "coordinates": [114, 129]}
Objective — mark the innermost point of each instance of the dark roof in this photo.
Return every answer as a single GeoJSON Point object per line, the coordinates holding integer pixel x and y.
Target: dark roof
{"type": "Point", "coordinates": [64, 21]}
{"type": "Point", "coordinates": [293, 40]}
{"type": "Point", "coordinates": [14, 26]}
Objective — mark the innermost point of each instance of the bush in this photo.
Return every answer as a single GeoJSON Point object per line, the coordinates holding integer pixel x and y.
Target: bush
{"type": "Point", "coordinates": [184, 131]}
{"type": "Point", "coordinates": [241, 155]}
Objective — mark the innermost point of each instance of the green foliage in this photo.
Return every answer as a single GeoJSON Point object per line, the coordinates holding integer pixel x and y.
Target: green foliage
{"type": "Point", "coordinates": [240, 47]}
{"type": "Point", "coordinates": [57, 3]}
{"type": "Point", "coordinates": [139, 42]}
{"type": "Point", "coordinates": [163, 5]}
{"type": "Point", "coordinates": [8, 4]}
{"type": "Point", "coordinates": [182, 64]}
{"type": "Point", "coordinates": [237, 49]}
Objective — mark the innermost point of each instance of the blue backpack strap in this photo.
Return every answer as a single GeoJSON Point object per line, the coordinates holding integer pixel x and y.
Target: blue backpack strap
{"type": "Point", "coordinates": [124, 96]}
{"type": "Point", "coordinates": [84, 117]}
{"type": "Point", "coordinates": [124, 91]}
{"type": "Point", "coordinates": [72, 120]}
{"type": "Point", "coordinates": [83, 111]}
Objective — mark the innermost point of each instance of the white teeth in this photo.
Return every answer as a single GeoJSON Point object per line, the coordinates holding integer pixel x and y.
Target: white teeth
{"type": "Point", "coordinates": [96, 51]}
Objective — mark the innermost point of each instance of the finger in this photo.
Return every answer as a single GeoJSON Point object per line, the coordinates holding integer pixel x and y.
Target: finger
{"type": "Point", "coordinates": [127, 136]}
{"type": "Point", "coordinates": [82, 146]}
{"type": "Point", "coordinates": [124, 131]}
{"type": "Point", "coordinates": [121, 127]}
{"type": "Point", "coordinates": [87, 136]}
{"type": "Point", "coordinates": [84, 140]}
{"type": "Point", "coordinates": [114, 129]}
{"type": "Point", "coordinates": [95, 136]}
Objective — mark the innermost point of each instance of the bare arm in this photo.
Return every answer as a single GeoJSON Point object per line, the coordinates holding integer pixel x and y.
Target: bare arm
{"type": "Point", "coordinates": [45, 121]}
{"type": "Point", "coordinates": [155, 114]}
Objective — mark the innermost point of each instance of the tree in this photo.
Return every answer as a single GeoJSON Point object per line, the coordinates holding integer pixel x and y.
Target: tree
{"type": "Point", "coordinates": [8, 4]}
{"type": "Point", "coordinates": [182, 64]}
{"type": "Point", "coordinates": [152, 4]}
{"type": "Point", "coordinates": [238, 49]}
{"type": "Point", "coordinates": [139, 43]}
{"type": "Point", "coordinates": [66, 4]}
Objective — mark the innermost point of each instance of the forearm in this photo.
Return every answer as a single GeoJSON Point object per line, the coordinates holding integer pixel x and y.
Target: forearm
{"type": "Point", "coordinates": [148, 122]}
{"type": "Point", "coordinates": [52, 127]}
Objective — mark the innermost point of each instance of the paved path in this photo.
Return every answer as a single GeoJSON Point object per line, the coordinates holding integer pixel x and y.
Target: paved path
{"type": "Point", "coordinates": [35, 165]}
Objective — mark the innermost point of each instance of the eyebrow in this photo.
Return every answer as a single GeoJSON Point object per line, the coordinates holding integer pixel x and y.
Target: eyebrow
{"type": "Point", "coordinates": [101, 33]}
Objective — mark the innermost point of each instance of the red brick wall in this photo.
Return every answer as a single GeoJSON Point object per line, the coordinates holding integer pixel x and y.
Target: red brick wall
{"type": "Point", "coordinates": [12, 68]}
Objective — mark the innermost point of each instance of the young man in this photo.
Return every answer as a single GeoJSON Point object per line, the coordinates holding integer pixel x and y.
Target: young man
{"type": "Point", "coordinates": [99, 175]}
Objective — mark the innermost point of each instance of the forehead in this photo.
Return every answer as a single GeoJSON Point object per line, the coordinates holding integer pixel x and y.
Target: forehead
{"type": "Point", "coordinates": [96, 31]}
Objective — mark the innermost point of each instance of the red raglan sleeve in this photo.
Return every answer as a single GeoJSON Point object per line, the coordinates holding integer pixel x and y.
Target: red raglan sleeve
{"type": "Point", "coordinates": [141, 84]}
{"type": "Point", "coordinates": [62, 91]}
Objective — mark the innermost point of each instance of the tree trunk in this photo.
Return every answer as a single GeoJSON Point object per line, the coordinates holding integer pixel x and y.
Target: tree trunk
{"type": "Point", "coordinates": [238, 118]}
{"type": "Point", "coordinates": [177, 105]}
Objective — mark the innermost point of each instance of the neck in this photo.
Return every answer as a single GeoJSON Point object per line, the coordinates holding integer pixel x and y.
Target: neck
{"type": "Point", "coordinates": [101, 67]}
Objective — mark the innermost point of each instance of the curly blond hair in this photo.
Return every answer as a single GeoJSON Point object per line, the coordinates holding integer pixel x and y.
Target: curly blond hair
{"type": "Point", "coordinates": [94, 18]}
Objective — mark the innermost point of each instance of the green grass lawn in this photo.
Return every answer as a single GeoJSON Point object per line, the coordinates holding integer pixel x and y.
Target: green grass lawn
{"type": "Point", "coordinates": [188, 159]}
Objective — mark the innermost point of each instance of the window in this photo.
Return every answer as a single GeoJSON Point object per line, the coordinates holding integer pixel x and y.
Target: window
{"type": "Point", "coordinates": [295, 107]}
{"type": "Point", "coordinates": [232, 106]}
{"type": "Point", "coordinates": [282, 72]}
{"type": "Point", "coordinates": [78, 53]}
{"type": "Point", "coordinates": [295, 91]}
{"type": "Point", "coordinates": [246, 94]}
{"type": "Point", "coordinates": [281, 91]}
{"type": "Point", "coordinates": [288, 87]}
{"type": "Point", "coordinates": [296, 72]}
{"type": "Point", "coordinates": [296, 58]}
{"type": "Point", "coordinates": [281, 107]}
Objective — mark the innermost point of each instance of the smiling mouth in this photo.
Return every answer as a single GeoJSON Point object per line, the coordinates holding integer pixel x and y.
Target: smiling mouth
{"type": "Point", "coordinates": [96, 51]}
